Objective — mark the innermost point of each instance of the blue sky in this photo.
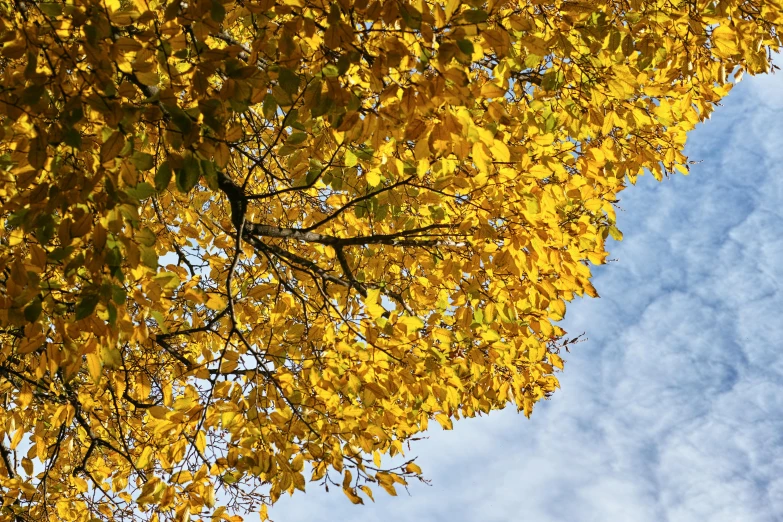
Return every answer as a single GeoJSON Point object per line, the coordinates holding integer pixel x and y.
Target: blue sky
{"type": "Point", "coordinates": [673, 409]}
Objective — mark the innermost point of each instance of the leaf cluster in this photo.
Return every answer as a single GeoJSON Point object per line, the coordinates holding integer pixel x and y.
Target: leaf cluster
{"type": "Point", "coordinates": [247, 245]}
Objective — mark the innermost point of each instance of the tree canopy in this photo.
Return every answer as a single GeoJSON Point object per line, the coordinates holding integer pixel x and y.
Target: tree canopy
{"type": "Point", "coordinates": [249, 244]}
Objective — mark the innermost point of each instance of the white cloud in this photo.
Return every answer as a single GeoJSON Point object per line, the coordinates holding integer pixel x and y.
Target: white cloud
{"type": "Point", "coordinates": [673, 410]}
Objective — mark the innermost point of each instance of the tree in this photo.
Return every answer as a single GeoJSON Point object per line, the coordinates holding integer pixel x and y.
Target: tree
{"type": "Point", "coordinates": [244, 241]}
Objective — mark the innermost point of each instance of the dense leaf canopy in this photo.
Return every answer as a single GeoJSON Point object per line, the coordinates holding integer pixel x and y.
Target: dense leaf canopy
{"type": "Point", "coordinates": [251, 243]}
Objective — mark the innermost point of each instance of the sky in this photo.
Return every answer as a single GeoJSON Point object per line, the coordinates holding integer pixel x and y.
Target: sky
{"type": "Point", "coordinates": [672, 410]}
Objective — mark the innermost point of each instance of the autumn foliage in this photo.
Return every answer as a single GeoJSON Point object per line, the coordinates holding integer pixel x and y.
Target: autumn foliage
{"type": "Point", "coordinates": [249, 244]}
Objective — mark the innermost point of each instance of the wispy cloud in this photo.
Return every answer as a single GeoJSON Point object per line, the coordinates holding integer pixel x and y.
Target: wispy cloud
{"type": "Point", "coordinates": [673, 410]}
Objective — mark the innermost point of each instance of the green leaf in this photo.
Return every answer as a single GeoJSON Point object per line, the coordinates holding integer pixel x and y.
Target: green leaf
{"type": "Point", "coordinates": [312, 175]}
{"type": "Point", "coordinates": [141, 191]}
{"type": "Point", "coordinates": [32, 94]}
{"type": "Point", "coordinates": [286, 150]}
{"type": "Point", "coordinates": [364, 153]}
{"type": "Point", "coordinates": [466, 46]}
{"type": "Point", "coordinates": [615, 39]}
{"type": "Point", "coordinates": [146, 237]}
{"type": "Point", "coordinates": [112, 314]}
{"type": "Point", "coordinates": [72, 138]}
{"type": "Point", "coordinates": [149, 257]}
{"type": "Point", "coordinates": [296, 138]}
{"type": "Point", "coordinates": [553, 80]}
{"type": "Point", "coordinates": [74, 265]}
{"type": "Point", "coordinates": [411, 16]}
{"type": "Point", "coordinates": [158, 316]}
{"type": "Point", "coordinates": [51, 9]}
{"type": "Point", "coordinates": [179, 117]}
{"type": "Point", "coordinates": [269, 107]}
{"type": "Point", "coordinates": [217, 12]}
{"type": "Point", "coordinates": [475, 16]}
{"type": "Point", "coordinates": [142, 160]}
{"type": "Point", "coordinates": [113, 256]}
{"type": "Point", "coordinates": [167, 280]}
{"type": "Point", "coordinates": [330, 71]}
{"type": "Point", "coordinates": [33, 310]}
{"type": "Point", "coordinates": [111, 357]}
{"type": "Point", "coordinates": [118, 294]}
{"type": "Point", "coordinates": [229, 478]}
{"type": "Point", "coordinates": [18, 218]}
{"type": "Point", "coordinates": [291, 118]}
{"type": "Point", "coordinates": [210, 173]}
{"type": "Point", "coordinates": [239, 106]}
{"type": "Point", "coordinates": [322, 106]}
{"type": "Point", "coordinates": [289, 81]}
{"type": "Point", "coordinates": [163, 177]}
{"type": "Point", "coordinates": [189, 174]}
{"type": "Point", "coordinates": [86, 306]}
{"type": "Point", "coordinates": [60, 253]}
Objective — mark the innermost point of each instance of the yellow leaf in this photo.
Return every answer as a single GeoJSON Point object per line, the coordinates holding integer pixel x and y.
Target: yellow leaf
{"type": "Point", "coordinates": [209, 496]}
{"type": "Point", "coordinates": [79, 483]}
{"type": "Point", "coordinates": [412, 467]}
{"type": "Point", "coordinates": [557, 309]}
{"type": "Point", "coordinates": [367, 491]}
{"type": "Point", "coordinates": [411, 323]}
{"type": "Point", "coordinates": [159, 412]}
{"type": "Point", "coordinates": [351, 494]}
{"type": "Point", "coordinates": [375, 310]}
{"type": "Point", "coordinates": [480, 156]}
{"type": "Point", "coordinates": [216, 302]}
{"type": "Point", "coordinates": [540, 171]}
{"type": "Point", "coordinates": [444, 421]}
{"type": "Point", "coordinates": [598, 156]}
{"type": "Point", "coordinates": [27, 465]}
{"type": "Point", "coordinates": [492, 90]}
{"type": "Point", "coordinates": [389, 488]}
{"type": "Point", "coordinates": [111, 357]}
{"type": "Point", "coordinates": [535, 352]}
{"type": "Point", "coordinates": [201, 441]}
{"type": "Point", "coordinates": [373, 177]}
{"type": "Point", "coordinates": [725, 40]}
{"type": "Point", "coordinates": [500, 151]}
{"type": "Point", "coordinates": [15, 237]}
{"type": "Point", "coordinates": [94, 366]}
{"type": "Point", "coordinates": [126, 45]}
{"type": "Point", "coordinates": [615, 233]}
{"type": "Point", "coordinates": [25, 396]}
{"type": "Point", "coordinates": [17, 438]}
{"type": "Point", "coordinates": [149, 78]}
{"type": "Point", "coordinates": [452, 7]}
{"type": "Point", "coordinates": [144, 458]}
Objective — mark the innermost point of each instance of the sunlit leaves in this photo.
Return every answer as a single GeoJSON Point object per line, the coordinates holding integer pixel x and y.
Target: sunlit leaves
{"type": "Point", "coordinates": [245, 242]}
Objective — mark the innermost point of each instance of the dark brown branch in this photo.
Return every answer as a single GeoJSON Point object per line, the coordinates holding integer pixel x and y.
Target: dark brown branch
{"type": "Point", "coordinates": [174, 353]}
{"type": "Point", "coordinates": [5, 454]}
{"type": "Point", "coordinates": [398, 239]}
{"type": "Point", "coordinates": [348, 272]}
{"type": "Point", "coordinates": [304, 264]}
